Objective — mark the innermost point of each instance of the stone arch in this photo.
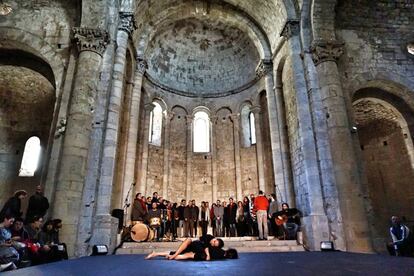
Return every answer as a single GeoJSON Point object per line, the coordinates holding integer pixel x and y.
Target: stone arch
{"type": "Point", "coordinates": [387, 157]}
{"type": "Point", "coordinates": [185, 10]}
{"type": "Point", "coordinates": [17, 39]}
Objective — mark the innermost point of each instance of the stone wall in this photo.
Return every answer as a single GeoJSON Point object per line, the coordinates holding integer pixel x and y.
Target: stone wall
{"type": "Point", "coordinates": [249, 177]}
{"type": "Point", "coordinates": [155, 169]}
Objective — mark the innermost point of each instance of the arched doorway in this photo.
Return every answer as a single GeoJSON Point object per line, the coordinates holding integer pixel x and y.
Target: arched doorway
{"type": "Point", "coordinates": [387, 157]}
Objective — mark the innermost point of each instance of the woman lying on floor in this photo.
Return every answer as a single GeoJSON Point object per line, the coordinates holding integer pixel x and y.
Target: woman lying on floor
{"type": "Point", "coordinates": [197, 251]}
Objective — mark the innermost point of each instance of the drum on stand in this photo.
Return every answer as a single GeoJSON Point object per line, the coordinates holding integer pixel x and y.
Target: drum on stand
{"type": "Point", "coordinates": [141, 232]}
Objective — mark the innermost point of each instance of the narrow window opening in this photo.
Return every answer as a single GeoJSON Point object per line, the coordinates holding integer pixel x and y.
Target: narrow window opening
{"type": "Point", "coordinates": [201, 132]}
{"type": "Point", "coordinates": [31, 156]}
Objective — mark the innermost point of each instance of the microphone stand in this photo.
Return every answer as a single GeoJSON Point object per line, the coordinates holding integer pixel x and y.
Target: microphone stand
{"type": "Point", "coordinates": [127, 204]}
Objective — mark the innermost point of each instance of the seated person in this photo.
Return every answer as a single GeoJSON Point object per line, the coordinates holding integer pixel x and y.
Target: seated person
{"type": "Point", "coordinates": [154, 217]}
{"type": "Point", "coordinates": [400, 234]}
{"type": "Point", "coordinates": [18, 232]}
{"type": "Point", "coordinates": [39, 253]}
{"type": "Point", "coordinates": [49, 237]}
{"type": "Point", "coordinates": [8, 252]}
{"type": "Point", "coordinates": [289, 218]}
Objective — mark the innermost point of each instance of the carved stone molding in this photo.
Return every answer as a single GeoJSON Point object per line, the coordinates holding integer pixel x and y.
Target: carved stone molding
{"type": "Point", "coordinates": [256, 109]}
{"type": "Point", "coordinates": [149, 107]}
{"type": "Point", "coordinates": [291, 28]}
{"type": "Point", "coordinates": [88, 39]}
{"type": "Point", "coordinates": [263, 68]}
{"type": "Point", "coordinates": [323, 51]}
{"type": "Point", "coordinates": [142, 65]}
{"type": "Point", "coordinates": [127, 22]}
{"type": "Point", "coordinates": [189, 119]}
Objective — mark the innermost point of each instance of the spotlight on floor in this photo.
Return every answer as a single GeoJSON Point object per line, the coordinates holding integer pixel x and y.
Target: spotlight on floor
{"type": "Point", "coordinates": [354, 129]}
{"type": "Point", "coordinates": [327, 246]}
{"type": "Point", "coordinates": [99, 249]}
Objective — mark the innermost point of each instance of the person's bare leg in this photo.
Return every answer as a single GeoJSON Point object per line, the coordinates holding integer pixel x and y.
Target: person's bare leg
{"type": "Point", "coordinates": [185, 256]}
{"type": "Point", "coordinates": [180, 249]}
{"type": "Point", "coordinates": [157, 254]}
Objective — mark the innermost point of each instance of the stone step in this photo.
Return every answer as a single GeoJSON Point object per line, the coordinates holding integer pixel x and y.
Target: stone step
{"type": "Point", "coordinates": [241, 246]}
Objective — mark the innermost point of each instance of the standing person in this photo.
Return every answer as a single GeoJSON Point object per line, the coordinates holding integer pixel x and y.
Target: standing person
{"type": "Point", "coordinates": [38, 204]}
{"type": "Point", "coordinates": [195, 214]}
{"type": "Point", "coordinates": [247, 218]}
{"type": "Point", "coordinates": [218, 214]}
{"type": "Point", "coordinates": [204, 218]}
{"type": "Point", "coordinates": [149, 203]}
{"type": "Point", "coordinates": [271, 212]}
{"type": "Point", "coordinates": [260, 205]}
{"type": "Point", "coordinates": [400, 235]}
{"type": "Point", "coordinates": [13, 205]}
{"type": "Point", "coordinates": [231, 217]}
{"type": "Point", "coordinates": [240, 220]}
{"type": "Point", "coordinates": [175, 221]}
{"type": "Point", "coordinates": [182, 219]}
{"type": "Point", "coordinates": [188, 220]}
{"type": "Point", "coordinates": [253, 216]}
{"type": "Point", "coordinates": [139, 210]}
{"type": "Point", "coordinates": [225, 220]}
{"type": "Point", "coordinates": [154, 198]}
{"type": "Point", "coordinates": [213, 219]}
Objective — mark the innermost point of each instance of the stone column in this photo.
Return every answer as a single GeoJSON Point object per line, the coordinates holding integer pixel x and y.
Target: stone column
{"type": "Point", "coordinates": [168, 117]}
{"type": "Point", "coordinates": [259, 146]}
{"type": "Point", "coordinates": [236, 134]}
{"type": "Point", "coordinates": [348, 180]}
{"type": "Point", "coordinates": [91, 44]}
{"type": "Point", "coordinates": [104, 232]}
{"type": "Point", "coordinates": [144, 163]}
{"type": "Point", "coordinates": [189, 156]}
{"type": "Point", "coordinates": [214, 185]}
{"type": "Point", "coordinates": [129, 178]}
{"type": "Point", "coordinates": [315, 221]}
{"type": "Point", "coordinates": [265, 68]}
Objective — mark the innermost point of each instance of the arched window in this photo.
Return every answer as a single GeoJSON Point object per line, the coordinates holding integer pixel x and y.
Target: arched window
{"type": "Point", "coordinates": [31, 156]}
{"type": "Point", "coordinates": [248, 127]}
{"type": "Point", "coordinates": [155, 125]}
{"type": "Point", "coordinates": [201, 132]}
{"type": "Point", "coordinates": [252, 127]}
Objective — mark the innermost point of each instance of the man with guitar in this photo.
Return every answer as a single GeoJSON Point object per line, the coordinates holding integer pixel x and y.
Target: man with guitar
{"type": "Point", "coordinates": [289, 219]}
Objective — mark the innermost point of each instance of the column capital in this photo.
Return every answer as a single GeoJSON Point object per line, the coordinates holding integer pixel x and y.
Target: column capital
{"type": "Point", "coordinates": [189, 118]}
{"type": "Point", "coordinates": [256, 109]}
{"type": "Point", "coordinates": [169, 116]}
{"type": "Point", "coordinates": [149, 107]}
{"type": "Point", "coordinates": [291, 28]}
{"type": "Point", "coordinates": [234, 117]}
{"type": "Point", "coordinates": [127, 22]}
{"type": "Point", "coordinates": [88, 39]}
{"type": "Point", "coordinates": [326, 50]}
{"type": "Point", "coordinates": [263, 68]}
{"type": "Point", "coordinates": [142, 65]}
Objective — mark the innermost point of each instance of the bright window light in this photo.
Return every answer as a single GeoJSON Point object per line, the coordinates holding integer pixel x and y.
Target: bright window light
{"type": "Point", "coordinates": [155, 127]}
{"type": "Point", "coordinates": [31, 156]}
{"type": "Point", "coordinates": [201, 132]}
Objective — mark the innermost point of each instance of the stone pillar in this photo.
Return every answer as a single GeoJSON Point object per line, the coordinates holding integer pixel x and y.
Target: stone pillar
{"type": "Point", "coordinates": [316, 225]}
{"type": "Point", "coordinates": [131, 153]}
{"type": "Point", "coordinates": [104, 232]}
{"type": "Point", "coordinates": [189, 156]}
{"type": "Point", "coordinates": [214, 185]}
{"type": "Point", "coordinates": [259, 146]}
{"type": "Point", "coordinates": [167, 126]}
{"type": "Point", "coordinates": [265, 68]}
{"type": "Point", "coordinates": [285, 151]}
{"type": "Point", "coordinates": [91, 44]}
{"type": "Point", "coordinates": [348, 181]}
{"type": "Point", "coordinates": [236, 134]}
{"type": "Point", "coordinates": [144, 163]}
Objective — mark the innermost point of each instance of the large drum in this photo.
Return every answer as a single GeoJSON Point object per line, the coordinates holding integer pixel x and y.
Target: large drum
{"type": "Point", "coordinates": [141, 232]}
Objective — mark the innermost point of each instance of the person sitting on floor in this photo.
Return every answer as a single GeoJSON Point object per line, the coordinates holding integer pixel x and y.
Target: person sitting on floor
{"type": "Point", "coordinates": [8, 253]}
{"type": "Point", "coordinates": [401, 238]}
{"type": "Point", "coordinates": [48, 236]}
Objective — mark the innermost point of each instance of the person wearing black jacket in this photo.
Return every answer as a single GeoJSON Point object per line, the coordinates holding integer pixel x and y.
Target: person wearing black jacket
{"type": "Point", "coordinates": [195, 214]}
{"type": "Point", "coordinates": [181, 223]}
{"type": "Point", "coordinates": [38, 204]}
{"type": "Point", "coordinates": [231, 217]}
{"type": "Point", "coordinates": [13, 205]}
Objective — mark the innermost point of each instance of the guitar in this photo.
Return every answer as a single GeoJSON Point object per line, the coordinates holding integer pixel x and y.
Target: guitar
{"type": "Point", "coordinates": [280, 220]}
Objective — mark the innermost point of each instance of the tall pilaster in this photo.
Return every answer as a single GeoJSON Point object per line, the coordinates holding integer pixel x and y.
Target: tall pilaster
{"type": "Point", "coordinates": [236, 134]}
{"type": "Point", "coordinates": [348, 180]}
{"type": "Point", "coordinates": [214, 184]}
{"type": "Point", "coordinates": [103, 232]}
{"type": "Point", "coordinates": [144, 163]}
{"type": "Point", "coordinates": [91, 44]}
{"type": "Point", "coordinates": [189, 180]}
{"type": "Point", "coordinates": [315, 221]}
{"type": "Point", "coordinates": [259, 146]}
{"type": "Point", "coordinates": [131, 152]}
{"type": "Point", "coordinates": [167, 126]}
{"type": "Point", "coordinates": [265, 69]}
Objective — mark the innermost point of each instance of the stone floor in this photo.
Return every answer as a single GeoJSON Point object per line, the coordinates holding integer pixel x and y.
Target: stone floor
{"type": "Point", "coordinates": [289, 263]}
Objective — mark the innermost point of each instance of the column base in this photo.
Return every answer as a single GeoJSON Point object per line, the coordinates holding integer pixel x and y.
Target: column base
{"type": "Point", "coordinates": [315, 229]}
{"type": "Point", "coordinates": [105, 232]}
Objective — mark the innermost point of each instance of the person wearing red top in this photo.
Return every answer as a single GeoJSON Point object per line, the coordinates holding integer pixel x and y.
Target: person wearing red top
{"type": "Point", "coordinates": [261, 204]}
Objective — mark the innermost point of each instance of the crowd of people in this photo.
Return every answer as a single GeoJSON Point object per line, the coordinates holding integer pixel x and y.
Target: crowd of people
{"type": "Point", "coordinates": [256, 215]}
{"type": "Point", "coordinates": [27, 240]}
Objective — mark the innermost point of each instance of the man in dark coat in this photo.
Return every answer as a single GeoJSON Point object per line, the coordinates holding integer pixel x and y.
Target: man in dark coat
{"type": "Point", "coordinates": [38, 204]}
{"type": "Point", "coordinates": [139, 210]}
{"type": "Point", "coordinates": [231, 217]}
{"type": "Point", "coordinates": [13, 205]}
